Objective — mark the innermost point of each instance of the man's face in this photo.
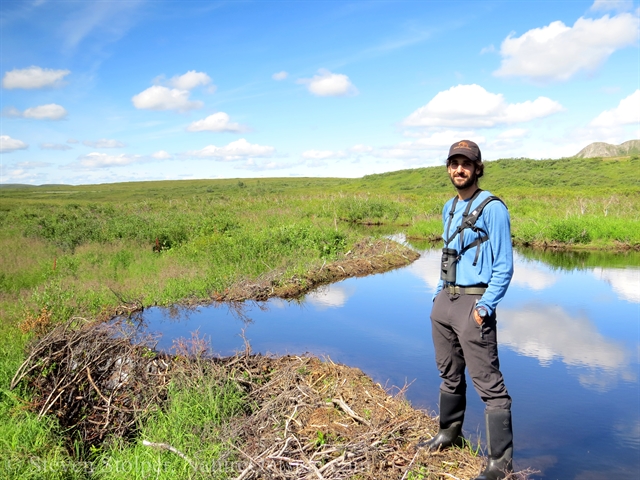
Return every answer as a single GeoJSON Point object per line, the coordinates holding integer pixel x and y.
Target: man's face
{"type": "Point", "coordinates": [462, 171]}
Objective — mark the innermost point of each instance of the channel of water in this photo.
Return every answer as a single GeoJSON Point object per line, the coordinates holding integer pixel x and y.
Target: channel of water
{"type": "Point", "coordinates": [569, 335]}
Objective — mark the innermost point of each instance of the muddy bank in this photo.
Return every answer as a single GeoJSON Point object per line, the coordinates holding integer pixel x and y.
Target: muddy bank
{"type": "Point", "coordinates": [365, 258]}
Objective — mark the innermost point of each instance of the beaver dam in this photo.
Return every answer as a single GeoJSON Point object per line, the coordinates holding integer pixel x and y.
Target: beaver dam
{"type": "Point", "coordinates": [297, 417]}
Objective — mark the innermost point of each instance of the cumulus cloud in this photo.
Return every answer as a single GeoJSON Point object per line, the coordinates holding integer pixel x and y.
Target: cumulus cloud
{"type": "Point", "coordinates": [8, 144]}
{"type": "Point", "coordinates": [473, 106]}
{"type": "Point", "coordinates": [626, 113]}
{"type": "Point", "coordinates": [50, 111]}
{"type": "Point", "coordinates": [104, 160]}
{"type": "Point", "coordinates": [327, 84]}
{"type": "Point", "coordinates": [322, 154]}
{"type": "Point", "coordinates": [361, 149]}
{"type": "Point", "coordinates": [189, 80]}
{"type": "Point", "coordinates": [103, 143]}
{"type": "Point", "coordinates": [238, 150]}
{"type": "Point", "coordinates": [33, 77]}
{"type": "Point", "coordinates": [280, 75]}
{"type": "Point", "coordinates": [54, 146]}
{"type": "Point", "coordinates": [218, 122]}
{"type": "Point", "coordinates": [161, 155]}
{"type": "Point", "coordinates": [261, 165]}
{"type": "Point", "coordinates": [558, 52]}
{"type": "Point", "coordinates": [164, 98]}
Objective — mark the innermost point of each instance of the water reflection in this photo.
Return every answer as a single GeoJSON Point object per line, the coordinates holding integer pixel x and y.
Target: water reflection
{"type": "Point", "coordinates": [624, 281]}
{"type": "Point", "coordinates": [548, 332]}
{"type": "Point", "coordinates": [329, 296]}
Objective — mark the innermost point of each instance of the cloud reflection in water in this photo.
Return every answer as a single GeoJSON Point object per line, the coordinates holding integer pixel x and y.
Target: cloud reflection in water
{"type": "Point", "coordinates": [548, 332]}
{"type": "Point", "coordinates": [625, 282]}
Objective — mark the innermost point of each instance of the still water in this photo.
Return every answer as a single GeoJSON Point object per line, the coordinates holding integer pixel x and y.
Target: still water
{"type": "Point", "coordinates": [569, 336]}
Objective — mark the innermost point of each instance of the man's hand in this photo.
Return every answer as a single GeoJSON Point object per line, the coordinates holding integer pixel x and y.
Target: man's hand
{"type": "Point", "coordinates": [479, 314]}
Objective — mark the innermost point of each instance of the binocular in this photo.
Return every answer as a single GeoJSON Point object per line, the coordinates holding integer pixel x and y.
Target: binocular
{"type": "Point", "coordinates": [448, 264]}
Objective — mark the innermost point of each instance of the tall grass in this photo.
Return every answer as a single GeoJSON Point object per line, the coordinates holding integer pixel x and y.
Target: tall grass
{"type": "Point", "coordinates": [190, 423]}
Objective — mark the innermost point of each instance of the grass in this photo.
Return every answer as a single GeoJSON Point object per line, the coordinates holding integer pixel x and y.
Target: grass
{"type": "Point", "coordinates": [190, 424]}
{"type": "Point", "coordinates": [83, 250]}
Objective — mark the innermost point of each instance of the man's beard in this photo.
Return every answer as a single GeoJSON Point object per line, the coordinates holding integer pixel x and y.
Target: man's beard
{"type": "Point", "coordinates": [469, 181]}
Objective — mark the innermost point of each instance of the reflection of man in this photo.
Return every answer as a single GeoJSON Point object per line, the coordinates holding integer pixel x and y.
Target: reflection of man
{"type": "Point", "coordinates": [477, 266]}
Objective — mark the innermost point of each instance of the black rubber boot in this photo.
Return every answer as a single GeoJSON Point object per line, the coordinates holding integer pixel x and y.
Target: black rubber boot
{"type": "Point", "coordinates": [452, 409]}
{"type": "Point", "coordinates": [500, 443]}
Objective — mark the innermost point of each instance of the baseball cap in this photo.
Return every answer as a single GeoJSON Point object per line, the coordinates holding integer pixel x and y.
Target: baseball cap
{"type": "Point", "coordinates": [466, 148]}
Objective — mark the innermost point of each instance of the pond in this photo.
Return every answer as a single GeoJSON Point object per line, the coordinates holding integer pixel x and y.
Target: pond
{"type": "Point", "coordinates": [569, 336]}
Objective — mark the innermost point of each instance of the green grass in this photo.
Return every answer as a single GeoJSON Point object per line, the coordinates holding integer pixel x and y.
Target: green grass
{"type": "Point", "coordinates": [190, 423]}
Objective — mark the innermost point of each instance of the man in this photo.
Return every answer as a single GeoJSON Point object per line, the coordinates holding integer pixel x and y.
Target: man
{"type": "Point", "coordinates": [477, 267]}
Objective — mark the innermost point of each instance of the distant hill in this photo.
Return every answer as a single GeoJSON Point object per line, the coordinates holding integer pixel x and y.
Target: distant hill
{"type": "Point", "coordinates": [601, 149]}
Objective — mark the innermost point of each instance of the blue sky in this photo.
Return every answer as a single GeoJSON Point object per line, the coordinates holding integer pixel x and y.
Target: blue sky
{"type": "Point", "coordinates": [111, 91]}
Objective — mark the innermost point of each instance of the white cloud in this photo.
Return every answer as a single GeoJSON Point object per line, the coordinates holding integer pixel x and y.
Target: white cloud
{"type": "Point", "coordinates": [327, 84]}
{"type": "Point", "coordinates": [280, 75]}
{"type": "Point", "coordinates": [33, 77]}
{"type": "Point", "coordinates": [104, 160]}
{"type": "Point", "coordinates": [261, 166]}
{"type": "Point", "coordinates": [54, 146]}
{"type": "Point", "coordinates": [72, 140]}
{"type": "Point", "coordinates": [50, 111]}
{"type": "Point", "coordinates": [361, 149]}
{"type": "Point", "coordinates": [218, 122]}
{"type": "Point", "coordinates": [612, 5]}
{"type": "Point", "coordinates": [103, 143]}
{"type": "Point", "coordinates": [558, 52]}
{"type": "Point", "coordinates": [626, 113]}
{"type": "Point", "coordinates": [189, 80]}
{"type": "Point", "coordinates": [237, 150]}
{"type": "Point", "coordinates": [161, 155]}
{"type": "Point", "coordinates": [163, 98]}
{"type": "Point", "coordinates": [473, 106]}
{"type": "Point", "coordinates": [322, 154]}
{"type": "Point", "coordinates": [512, 133]}
{"type": "Point", "coordinates": [8, 144]}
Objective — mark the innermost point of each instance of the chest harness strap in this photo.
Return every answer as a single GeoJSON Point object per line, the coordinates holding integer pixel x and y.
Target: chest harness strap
{"type": "Point", "coordinates": [469, 221]}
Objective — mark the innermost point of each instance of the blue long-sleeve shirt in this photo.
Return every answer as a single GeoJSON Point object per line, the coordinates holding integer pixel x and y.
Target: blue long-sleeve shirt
{"type": "Point", "coordinates": [495, 261]}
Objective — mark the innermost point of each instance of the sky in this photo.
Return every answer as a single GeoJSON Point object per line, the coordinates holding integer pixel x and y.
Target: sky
{"type": "Point", "coordinates": [136, 90]}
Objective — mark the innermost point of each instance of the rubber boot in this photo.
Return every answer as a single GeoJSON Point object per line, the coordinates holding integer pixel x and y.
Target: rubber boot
{"type": "Point", "coordinates": [500, 443]}
{"type": "Point", "coordinates": [452, 409]}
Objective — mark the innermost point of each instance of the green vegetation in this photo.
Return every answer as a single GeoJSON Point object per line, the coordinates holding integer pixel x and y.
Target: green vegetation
{"type": "Point", "coordinates": [84, 250]}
